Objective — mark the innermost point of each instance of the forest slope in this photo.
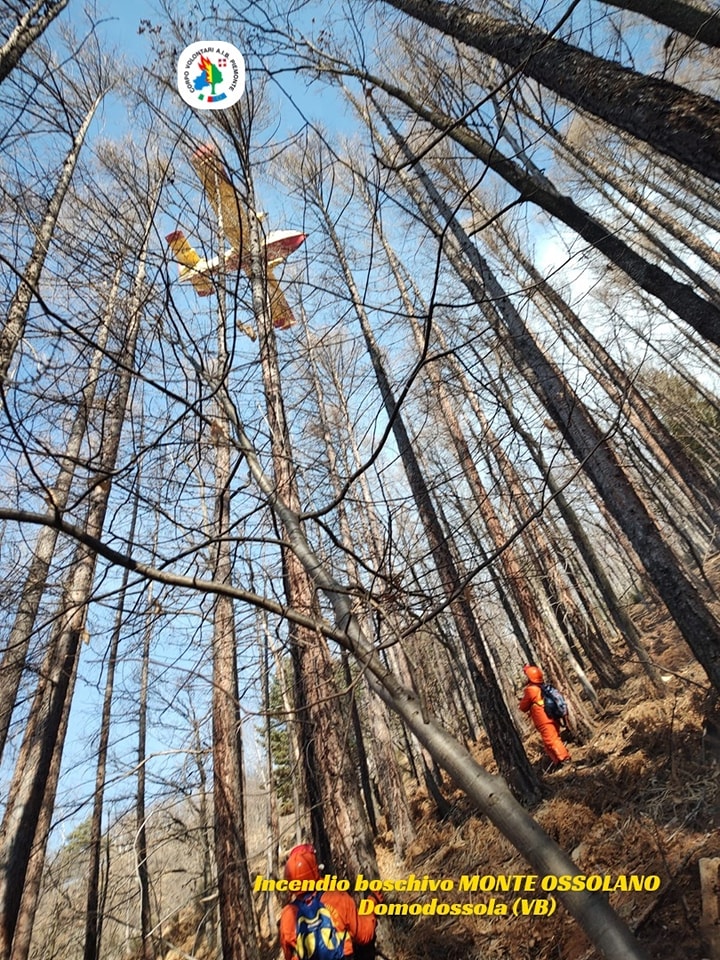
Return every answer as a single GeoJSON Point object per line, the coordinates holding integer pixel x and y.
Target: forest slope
{"type": "Point", "coordinates": [641, 797]}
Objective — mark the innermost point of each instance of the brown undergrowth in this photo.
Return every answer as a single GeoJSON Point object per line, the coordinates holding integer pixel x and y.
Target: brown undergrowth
{"type": "Point", "coordinates": [641, 797]}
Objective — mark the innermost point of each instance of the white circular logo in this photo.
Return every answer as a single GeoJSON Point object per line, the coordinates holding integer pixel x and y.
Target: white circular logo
{"type": "Point", "coordinates": [211, 75]}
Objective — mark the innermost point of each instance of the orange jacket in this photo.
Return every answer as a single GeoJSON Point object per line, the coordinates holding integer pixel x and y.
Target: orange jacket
{"type": "Point", "coordinates": [345, 917]}
{"type": "Point", "coordinates": [533, 703]}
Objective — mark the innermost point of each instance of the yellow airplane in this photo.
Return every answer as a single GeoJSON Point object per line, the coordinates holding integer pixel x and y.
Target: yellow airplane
{"type": "Point", "coordinates": [233, 221]}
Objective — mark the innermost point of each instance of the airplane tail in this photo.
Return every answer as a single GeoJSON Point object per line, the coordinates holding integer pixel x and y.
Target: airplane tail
{"type": "Point", "coordinates": [188, 259]}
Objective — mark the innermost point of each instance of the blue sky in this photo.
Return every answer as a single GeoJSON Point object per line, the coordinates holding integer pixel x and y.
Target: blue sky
{"type": "Point", "coordinates": [122, 21]}
{"type": "Point", "coordinates": [119, 22]}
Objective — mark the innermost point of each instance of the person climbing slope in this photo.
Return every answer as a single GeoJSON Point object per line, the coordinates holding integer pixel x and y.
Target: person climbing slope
{"type": "Point", "coordinates": [533, 702]}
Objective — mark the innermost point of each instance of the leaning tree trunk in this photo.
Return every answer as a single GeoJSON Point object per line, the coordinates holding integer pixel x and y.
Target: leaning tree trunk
{"type": "Point", "coordinates": [502, 734]}
{"type": "Point", "coordinates": [672, 460]}
{"type": "Point", "coordinates": [516, 578]}
{"type": "Point", "coordinates": [679, 298]}
{"type": "Point", "coordinates": [692, 615]}
{"type": "Point", "coordinates": [669, 453]}
{"type": "Point", "coordinates": [619, 615]}
{"type": "Point", "coordinates": [489, 793]}
{"type": "Point", "coordinates": [672, 119]}
{"type": "Point", "coordinates": [684, 17]}
{"type": "Point", "coordinates": [34, 782]}
{"type": "Point", "coordinates": [31, 25]}
{"type": "Point", "coordinates": [14, 327]}
{"type": "Point", "coordinates": [669, 181]}
{"type": "Point", "coordinates": [638, 191]}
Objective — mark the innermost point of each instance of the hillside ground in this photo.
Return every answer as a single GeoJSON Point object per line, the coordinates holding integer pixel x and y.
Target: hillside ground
{"type": "Point", "coordinates": [641, 797]}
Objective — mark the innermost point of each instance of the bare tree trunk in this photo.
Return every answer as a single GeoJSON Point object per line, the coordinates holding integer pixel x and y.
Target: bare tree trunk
{"type": "Point", "coordinates": [14, 327]}
{"type": "Point", "coordinates": [678, 297]}
{"type": "Point", "coordinates": [488, 792]}
{"type": "Point", "coordinates": [238, 924]}
{"type": "Point", "coordinates": [142, 869]}
{"type": "Point", "coordinates": [31, 25]}
{"type": "Point", "coordinates": [36, 863]}
{"type": "Point", "coordinates": [389, 779]}
{"type": "Point", "coordinates": [671, 458]}
{"type": "Point", "coordinates": [692, 615]}
{"type": "Point", "coordinates": [14, 657]}
{"type": "Point", "coordinates": [238, 921]}
{"type": "Point", "coordinates": [390, 786]}
{"type": "Point", "coordinates": [684, 17]}
{"type": "Point", "coordinates": [34, 781]}
{"type": "Point", "coordinates": [272, 815]}
{"type": "Point", "coordinates": [337, 810]}
{"type": "Point", "coordinates": [360, 748]}
{"type": "Point", "coordinates": [207, 928]}
{"type": "Point", "coordinates": [93, 917]}
{"type": "Point", "coordinates": [670, 118]}
{"type": "Point", "coordinates": [539, 627]}
{"type": "Point", "coordinates": [619, 615]}
{"type": "Point", "coordinates": [502, 734]}
{"type": "Point", "coordinates": [602, 164]}
{"type": "Point", "coordinates": [699, 198]}
{"type": "Point", "coordinates": [300, 791]}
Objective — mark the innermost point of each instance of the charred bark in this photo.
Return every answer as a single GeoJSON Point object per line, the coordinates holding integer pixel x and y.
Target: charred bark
{"type": "Point", "coordinates": [684, 17]}
{"type": "Point", "coordinates": [506, 745]}
{"type": "Point", "coordinates": [31, 25]}
{"type": "Point", "coordinates": [587, 441]}
{"type": "Point", "coordinates": [14, 326]}
{"type": "Point", "coordinates": [672, 119]}
{"type": "Point", "coordinates": [680, 298]}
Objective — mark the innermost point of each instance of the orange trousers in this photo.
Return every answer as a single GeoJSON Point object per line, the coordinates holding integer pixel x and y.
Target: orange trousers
{"type": "Point", "coordinates": [549, 730]}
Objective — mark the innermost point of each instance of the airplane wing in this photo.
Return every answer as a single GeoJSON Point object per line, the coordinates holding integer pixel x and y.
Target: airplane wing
{"type": "Point", "coordinates": [192, 267]}
{"type": "Point", "coordinates": [279, 244]}
{"type": "Point", "coordinates": [280, 312]}
{"type": "Point", "coordinates": [226, 203]}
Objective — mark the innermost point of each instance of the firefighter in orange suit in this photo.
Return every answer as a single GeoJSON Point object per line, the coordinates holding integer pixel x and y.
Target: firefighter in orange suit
{"type": "Point", "coordinates": [532, 703]}
{"type": "Point", "coordinates": [358, 930]}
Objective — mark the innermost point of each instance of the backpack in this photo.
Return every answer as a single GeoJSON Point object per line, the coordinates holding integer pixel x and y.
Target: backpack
{"type": "Point", "coordinates": [555, 706]}
{"type": "Point", "coordinates": [317, 936]}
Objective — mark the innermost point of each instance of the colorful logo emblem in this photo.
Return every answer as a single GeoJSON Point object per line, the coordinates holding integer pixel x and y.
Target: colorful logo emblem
{"type": "Point", "coordinates": [211, 75]}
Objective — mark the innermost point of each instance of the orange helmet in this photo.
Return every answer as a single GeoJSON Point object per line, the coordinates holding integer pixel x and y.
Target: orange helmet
{"type": "Point", "coordinates": [534, 674]}
{"type": "Point", "coordinates": [302, 863]}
